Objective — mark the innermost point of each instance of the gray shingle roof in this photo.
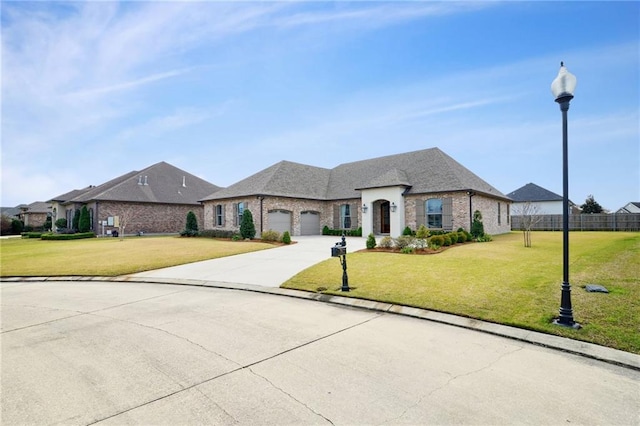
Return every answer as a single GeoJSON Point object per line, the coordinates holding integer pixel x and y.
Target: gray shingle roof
{"type": "Point", "coordinates": [533, 192]}
{"type": "Point", "coordinates": [71, 194]}
{"type": "Point", "coordinates": [160, 183]}
{"type": "Point", "coordinates": [424, 171]}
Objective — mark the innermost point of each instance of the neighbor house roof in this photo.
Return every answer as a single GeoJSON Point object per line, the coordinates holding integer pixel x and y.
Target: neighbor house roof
{"type": "Point", "coordinates": [533, 192]}
{"type": "Point", "coordinates": [35, 207]}
{"type": "Point", "coordinates": [160, 183]}
{"type": "Point", "coordinates": [425, 171]}
{"type": "Point", "coordinates": [632, 207]}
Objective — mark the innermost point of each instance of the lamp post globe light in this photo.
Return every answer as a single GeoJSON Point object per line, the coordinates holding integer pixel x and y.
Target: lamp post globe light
{"type": "Point", "coordinates": [562, 88]}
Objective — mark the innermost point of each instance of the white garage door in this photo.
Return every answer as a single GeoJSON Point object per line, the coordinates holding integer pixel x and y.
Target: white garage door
{"type": "Point", "coordinates": [280, 220]}
{"type": "Point", "coordinates": [310, 223]}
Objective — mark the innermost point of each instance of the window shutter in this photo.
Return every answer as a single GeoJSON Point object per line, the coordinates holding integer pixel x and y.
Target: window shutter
{"type": "Point", "coordinates": [235, 214]}
{"type": "Point", "coordinates": [336, 217]}
{"type": "Point", "coordinates": [447, 214]}
{"type": "Point", "coordinates": [223, 216]}
{"type": "Point", "coordinates": [354, 216]}
{"type": "Point", "coordinates": [421, 219]}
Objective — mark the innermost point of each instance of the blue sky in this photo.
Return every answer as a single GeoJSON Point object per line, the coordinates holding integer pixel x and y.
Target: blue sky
{"type": "Point", "coordinates": [93, 90]}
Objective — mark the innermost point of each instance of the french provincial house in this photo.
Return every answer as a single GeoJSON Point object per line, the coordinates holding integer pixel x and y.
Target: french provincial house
{"type": "Point", "coordinates": [381, 195]}
{"type": "Point", "coordinates": [153, 200]}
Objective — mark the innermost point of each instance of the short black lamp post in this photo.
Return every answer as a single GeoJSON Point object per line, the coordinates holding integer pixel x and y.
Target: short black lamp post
{"type": "Point", "coordinates": [340, 251]}
{"type": "Point", "coordinates": [562, 88]}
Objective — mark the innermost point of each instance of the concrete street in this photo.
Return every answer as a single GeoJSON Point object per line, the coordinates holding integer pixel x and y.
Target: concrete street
{"type": "Point", "coordinates": [90, 352]}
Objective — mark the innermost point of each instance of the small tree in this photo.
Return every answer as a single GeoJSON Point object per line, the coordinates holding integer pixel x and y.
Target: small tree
{"type": "Point", "coordinates": [5, 229]}
{"type": "Point", "coordinates": [371, 241]}
{"type": "Point", "coordinates": [191, 227]}
{"type": "Point", "coordinates": [422, 232]}
{"type": "Point", "coordinates": [61, 223]}
{"type": "Point", "coordinates": [407, 231]}
{"type": "Point", "coordinates": [247, 228]}
{"type": "Point", "coordinates": [75, 223]}
{"type": "Point", "coordinates": [47, 224]}
{"type": "Point", "coordinates": [591, 206]}
{"type": "Point", "coordinates": [529, 216]}
{"type": "Point", "coordinates": [477, 228]}
{"type": "Point", "coordinates": [286, 237]}
{"type": "Point", "coordinates": [84, 221]}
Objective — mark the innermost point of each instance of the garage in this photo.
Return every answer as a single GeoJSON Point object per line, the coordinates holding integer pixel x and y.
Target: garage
{"type": "Point", "coordinates": [279, 220]}
{"type": "Point", "coordinates": [310, 223]}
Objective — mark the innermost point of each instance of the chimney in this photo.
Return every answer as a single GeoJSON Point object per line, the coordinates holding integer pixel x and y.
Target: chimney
{"type": "Point", "coordinates": [184, 181]}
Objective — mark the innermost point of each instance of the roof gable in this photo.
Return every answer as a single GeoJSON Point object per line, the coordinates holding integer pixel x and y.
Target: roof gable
{"type": "Point", "coordinates": [533, 192]}
{"type": "Point", "coordinates": [159, 183]}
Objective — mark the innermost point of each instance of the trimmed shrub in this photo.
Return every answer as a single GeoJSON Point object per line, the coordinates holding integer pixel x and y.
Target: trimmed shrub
{"type": "Point", "coordinates": [407, 231]}
{"type": "Point", "coordinates": [16, 226]}
{"type": "Point", "coordinates": [286, 237]}
{"type": "Point", "coordinates": [247, 228]}
{"type": "Point", "coordinates": [436, 241]}
{"type": "Point", "coordinates": [484, 238]}
{"type": "Point", "coordinates": [447, 240]}
{"type": "Point", "coordinates": [75, 223]}
{"type": "Point", "coordinates": [77, 236]}
{"type": "Point", "coordinates": [216, 233]}
{"type": "Point", "coordinates": [477, 228]}
{"type": "Point", "coordinates": [326, 230]}
{"type": "Point", "coordinates": [61, 223]}
{"type": "Point", "coordinates": [404, 241]}
{"type": "Point", "coordinates": [371, 242]}
{"type": "Point", "coordinates": [386, 242]}
{"type": "Point", "coordinates": [236, 237]}
{"type": "Point", "coordinates": [462, 237]}
{"type": "Point", "coordinates": [454, 237]}
{"type": "Point", "coordinates": [84, 221]}
{"type": "Point", "coordinates": [31, 234]}
{"type": "Point", "coordinates": [270, 235]}
{"type": "Point", "coordinates": [422, 232]}
{"type": "Point", "coordinates": [407, 250]}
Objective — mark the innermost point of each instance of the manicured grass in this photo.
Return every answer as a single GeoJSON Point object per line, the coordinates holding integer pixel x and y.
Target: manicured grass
{"type": "Point", "coordinates": [111, 256]}
{"type": "Point", "coordinates": [504, 282]}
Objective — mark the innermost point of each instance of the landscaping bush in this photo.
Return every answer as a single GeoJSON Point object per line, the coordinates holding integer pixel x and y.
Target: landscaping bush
{"type": "Point", "coordinates": [61, 223]}
{"type": "Point", "coordinates": [404, 241]}
{"type": "Point", "coordinates": [76, 236]}
{"type": "Point", "coordinates": [371, 241]}
{"type": "Point", "coordinates": [422, 232]}
{"type": "Point", "coordinates": [436, 241]}
{"type": "Point", "coordinates": [406, 250]}
{"type": "Point", "coordinates": [286, 237]}
{"type": "Point", "coordinates": [216, 233]}
{"type": "Point", "coordinates": [75, 223]}
{"type": "Point", "coordinates": [454, 237]}
{"type": "Point", "coordinates": [386, 242]}
{"type": "Point", "coordinates": [247, 227]}
{"type": "Point", "coordinates": [31, 234]}
{"type": "Point", "coordinates": [16, 227]}
{"type": "Point", "coordinates": [447, 240]}
{"type": "Point", "coordinates": [191, 226]}
{"type": "Point", "coordinates": [84, 221]}
{"type": "Point", "coordinates": [339, 232]}
{"type": "Point", "coordinates": [326, 230]}
{"type": "Point", "coordinates": [484, 238]}
{"type": "Point", "coordinates": [270, 235]}
{"type": "Point", "coordinates": [407, 231]}
{"type": "Point", "coordinates": [462, 237]}
{"type": "Point", "coordinates": [236, 237]}
{"type": "Point", "coordinates": [477, 228]}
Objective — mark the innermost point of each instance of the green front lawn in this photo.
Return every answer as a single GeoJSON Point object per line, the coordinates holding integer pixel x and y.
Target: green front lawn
{"type": "Point", "coordinates": [504, 282]}
{"type": "Point", "coordinates": [111, 256]}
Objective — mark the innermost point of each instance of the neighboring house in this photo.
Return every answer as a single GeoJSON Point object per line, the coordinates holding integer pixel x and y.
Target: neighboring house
{"type": "Point", "coordinates": [11, 212]}
{"type": "Point", "coordinates": [632, 207]}
{"type": "Point", "coordinates": [153, 200]}
{"type": "Point", "coordinates": [381, 195]}
{"type": "Point", "coordinates": [35, 214]}
{"type": "Point", "coordinates": [542, 201]}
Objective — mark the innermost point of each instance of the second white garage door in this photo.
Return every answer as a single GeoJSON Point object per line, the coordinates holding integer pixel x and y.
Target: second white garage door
{"type": "Point", "coordinates": [280, 220]}
{"type": "Point", "coordinates": [310, 223]}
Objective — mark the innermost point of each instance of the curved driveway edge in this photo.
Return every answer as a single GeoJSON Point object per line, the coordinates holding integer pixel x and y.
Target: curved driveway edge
{"type": "Point", "coordinates": [589, 350]}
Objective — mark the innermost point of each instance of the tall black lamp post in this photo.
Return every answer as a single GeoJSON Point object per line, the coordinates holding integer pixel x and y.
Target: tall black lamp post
{"type": "Point", "coordinates": [562, 88]}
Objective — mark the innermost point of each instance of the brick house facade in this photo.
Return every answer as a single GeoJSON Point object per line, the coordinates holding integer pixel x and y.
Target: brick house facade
{"type": "Point", "coordinates": [381, 195]}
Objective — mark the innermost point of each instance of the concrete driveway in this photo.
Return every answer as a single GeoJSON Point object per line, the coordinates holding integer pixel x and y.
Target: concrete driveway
{"type": "Point", "coordinates": [120, 353]}
{"type": "Point", "coordinates": [268, 268]}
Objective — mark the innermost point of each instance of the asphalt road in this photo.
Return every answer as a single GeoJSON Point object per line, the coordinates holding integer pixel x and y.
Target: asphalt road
{"type": "Point", "coordinates": [134, 353]}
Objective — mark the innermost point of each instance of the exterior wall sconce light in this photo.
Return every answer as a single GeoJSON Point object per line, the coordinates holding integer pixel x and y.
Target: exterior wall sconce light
{"type": "Point", "coordinates": [364, 208]}
{"type": "Point", "coordinates": [393, 207]}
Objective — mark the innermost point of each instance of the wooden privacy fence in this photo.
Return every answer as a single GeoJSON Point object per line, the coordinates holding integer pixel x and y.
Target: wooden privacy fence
{"type": "Point", "coordinates": [583, 222]}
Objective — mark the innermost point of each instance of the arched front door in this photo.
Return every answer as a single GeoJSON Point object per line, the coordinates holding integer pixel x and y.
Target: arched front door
{"type": "Point", "coordinates": [385, 219]}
